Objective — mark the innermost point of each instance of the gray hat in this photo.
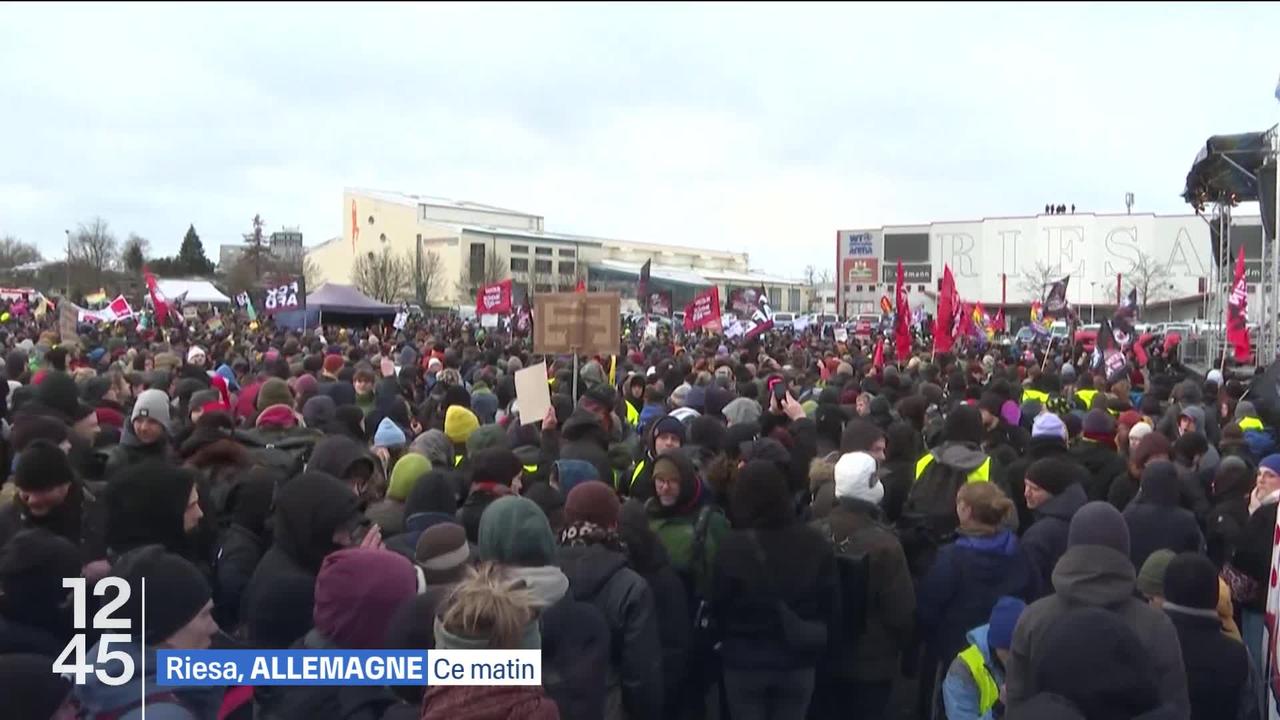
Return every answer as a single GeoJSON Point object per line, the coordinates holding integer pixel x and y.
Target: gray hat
{"type": "Point", "coordinates": [1245, 409]}
{"type": "Point", "coordinates": [152, 404]}
{"type": "Point", "coordinates": [1099, 523]}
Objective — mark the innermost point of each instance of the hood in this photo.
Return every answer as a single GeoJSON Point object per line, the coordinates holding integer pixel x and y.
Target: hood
{"type": "Point", "coordinates": [309, 508]}
{"type": "Point", "coordinates": [1065, 504]}
{"type": "Point", "coordinates": [647, 553]}
{"type": "Point", "coordinates": [145, 506]}
{"type": "Point", "coordinates": [433, 445]}
{"type": "Point", "coordinates": [822, 471]}
{"type": "Point", "coordinates": [548, 584]}
{"type": "Point", "coordinates": [358, 591]}
{"type": "Point", "coordinates": [690, 486]}
{"type": "Point", "coordinates": [1159, 485]}
{"type": "Point", "coordinates": [335, 454]}
{"type": "Point", "coordinates": [1042, 447]}
{"type": "Point", "coordinates": [343, 393]}
{"type": "Point", "coordinates": [1003, 543]}
{"type": "Point", "coordinates": [589, 568]}
{"type": "Point", "coordinates": [978, 637]}
{"type": "Point", "coordinates": [1095, 576]}
{"type": "Point", "coordinates": [572, 473]}
{"type": "Point", "coordinates": [97, 698]}
{"type": "Point", "coordinates": [584, 425]}
{"type": "Point", "coordinates": [961, 456]}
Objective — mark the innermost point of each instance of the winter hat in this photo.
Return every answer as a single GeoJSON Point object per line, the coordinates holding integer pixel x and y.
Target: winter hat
{"type": "Point", "coordinates": [669, 425]}
{"type": "Point", "coordinates": [1048, 425]}
{"type": "Point", "coordinates": [1068, 373]}
{"type": "Point", "coordinates": [1245, 409]}
{"type": "Point", "coordinates": [443, 553]}
{"type": "Point", "coordinates": [32, 565]}
{"type": "Point", "coordinates": [319, 411]}
{"type": "Point", "coordinates": [486, 437]}
{"type": "Point", "coordinates": [1214, 376]}
{"type": "Point", "coordinates": [434, 446]}
{"type": "Point", "coordinates": [29, 428]}
{"type": "Point", "coordinates": [1098, 422]}
{"type": "Point", "coordinates": [1030, 409]}
{"type": "Point", "coordinates": [1099, 523]}
{"type": "Point", "coordinates": [1053, 475]}
{"type": "Point", "coordinates": [152, 404]}
{"type": "Point", "coordinates": [333, 364]}
{"type": "Point", "coordinates": [696, 399]}
{"type": "Point", "coordinates": [389, 435]}
{"type": "Point", "coordinates": [196, 352]}
{"type": "Point", "coordinates": [42, 466]}
{"type": "Point", "coordinates": [742, 410]}
{"type": "Point", "coordinates": [680, 396]}
{"type": "Point", "coordinates": [274, 392]}
{"type": "Point", "coordinates": [408, 469]}
{"type": "Point", "coordinates": [855, 476]}
{"type": "Point", "coordinates": [305, 387]}
{"type": "Point", "coordinates": [459, 423]}
{"type": "Point", "coordinates": [277, 416]}
{"type": "Point", "coordinates": [1010, 413]}
{"type": "Point", "coordinates": [1137, 433]}
{"type": "Point", "coordinates": [1129, 419]}
{"type": "Point", "coordinates": [176, 590]}
{"type": "Point", "coordinates": [514, 531]}
{"type": "Point", "coordinates": [29, 689]}
{"type": "Point", "coordinates": [592, 502]}
{"type": "Point", "coordinates": [357, 592]}
{"type": "Point", "coordinates": [1271, 462]}
{"type": "Point", "coordinates": [1191, 581]}
{"type": "Point", "coordinates": [572, 473]}
{"type": "Point", "coordinates": [1151, 576]}
{"type": "Point", "coordinates": [1004, 618]}
{"type": "Point", "coordinates": [145, 503]}
{"type": "Point", "coordinates": [991, 402]}
{"type": "Point", "coordinates": [59, 392]}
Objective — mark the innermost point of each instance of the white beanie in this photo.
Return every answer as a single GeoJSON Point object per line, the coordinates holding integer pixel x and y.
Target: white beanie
{"type": "Point", "coordinates": [195, 350]}
{"type": "Point", "coordinates": [1215, 377]}
{"type": "Point", "coordinates": [856, 478]}
{"type": "Point", "coordinates": [1137, 432]}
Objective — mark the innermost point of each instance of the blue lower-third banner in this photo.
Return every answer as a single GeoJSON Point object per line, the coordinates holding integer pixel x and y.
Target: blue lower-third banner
{"type": "Point", "coordinates": [348, 667]}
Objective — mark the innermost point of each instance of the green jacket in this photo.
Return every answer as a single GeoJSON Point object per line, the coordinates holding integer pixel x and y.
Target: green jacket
{"type": "Point", "coordinates": [676, 535]}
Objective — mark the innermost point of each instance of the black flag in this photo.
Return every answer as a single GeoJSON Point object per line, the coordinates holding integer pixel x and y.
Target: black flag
{"type": "Point", "coordinates": [642, 291]}
{"type": "Point", "coordinates": [1055, 302]}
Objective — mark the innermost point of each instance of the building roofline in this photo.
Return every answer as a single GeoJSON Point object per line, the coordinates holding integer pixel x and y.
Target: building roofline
{"type": "Point", "coordinates": [1032, 217]}
{"type": "Point", "coordinates": [411, 199]}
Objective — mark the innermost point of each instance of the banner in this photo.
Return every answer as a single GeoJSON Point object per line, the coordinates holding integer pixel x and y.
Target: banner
{"type": "Point", "coordinates": [659, 303]}
{"type": "Point", "coordinates": [642, 290]}
{"type": "Point", "coordinates": [157, 298]}
{"type": "Point", "coordinates": [1122, 322]}
{"type": "Point", "coordinates": [285, 293]}
{"type": "Point", "coordinates": [246, 302]}
{"type": "Point", "coordinates": [494, 299]}
{"type": "Point", "coordinates": [704, 310]}
{"type": "Point", "coordinates": [761, 319]}
{"type": "Point", "coordinates": [1055, 302]}
{"type": "Point", "coordinates": [743, 302]}
{"type": "Point", "coordinates": [119, 308]}
{"type": "Point", "coordinates": [1237, 313]}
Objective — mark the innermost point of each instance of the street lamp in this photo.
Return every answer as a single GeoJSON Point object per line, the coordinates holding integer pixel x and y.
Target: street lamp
{"type": "Point", "coordinates": [1093, 294]}
{"type": "Point", "coordinates": [1171, 288]}
{"type": "Point", "coordinates": [67, 291]}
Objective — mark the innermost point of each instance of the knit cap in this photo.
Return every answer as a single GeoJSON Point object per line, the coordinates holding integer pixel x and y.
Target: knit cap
{"type": "Point", "coordinates": [486, 437]}
{"type": "Point", "coordinates": [389, 435]}
{"type": "Point", "coordinates": [1048, 425]}
{"type": "Point", "coordinates": [357, 592]}
{"type": "Point", "coordinates": [333, 364]}
{"type": "Point", "coordinates": [1137, 433]}
{"type": "Point", "coordinates": [42, 466]}
{"type": "Point", "coordinates": [1245, 409]}
{"type": "Point", "coordinates": [1271, 462]}
{"type": "Point", "coordinates": [1191, 581]}
{"type": "Point", "coordinates": [274, 392]}
{"type": "Point", "coordinates": [1098, 422]}
{"type": "Point", "coordinates": [855, 476]}
{"type": "Point", "coordinates": [442, 551]}
{"type": "Point", "coordinates": [459, 423]}
{"type": "Point", "coordinates": [176, 590]}
{"type": "Point", "coordinates": [1004, 618]}
{"type": "Point", "coordinates": [593, 502]}
{"type": "Point", "coordinates": [405, 474]}
{"type": "Point", "coordinates": [152, 404]}
{"type": "Point", "coordinates": [1151, 576]}
{"type": "Point", "coordinates": [1099, 523]}
{"type": "Point", "coordinates": [514, 531]}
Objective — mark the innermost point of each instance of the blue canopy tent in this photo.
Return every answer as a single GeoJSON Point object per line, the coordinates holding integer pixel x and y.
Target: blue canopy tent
{"type": "Point", "coordinates": [341, 304]}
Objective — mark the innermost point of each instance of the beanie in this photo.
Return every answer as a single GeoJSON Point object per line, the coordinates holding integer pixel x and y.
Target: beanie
{"type": "Point", "coordinates": [1099, 523]}
{"type": "Point", "coordinates": [389, 435]}
{"type": "Point", "coordinates": [855, 478]}
{"type": "Point", "coordinates": [459, 423]}
{"type": "Point", "coordinates": [991, 402]}
{"type": "Point", "coordinates": [196, 352]}
{"type": "Point", "coordinates": [152, 404]}
{"type": "Point", "coordinates": [593, 502]}
{"type": "Point", "coordinates": [1010, 412]}
{"type": "Point", "coordinates": [1192, 581]}
{"type": "Point", "coordinates": [515, 531]}
{"type": "Point", "coordinates": [1151, 576]}
{"type": "Point", "coordinates": [176, 590]}
{"type": "Point", "coordinates": [1030, 408]}
{"type": "Point", "coordinates": [486, 437]}
{"type": "Point", "coordinates": [1245, 409]}
{"type": "Point", "coordinates": [1138, 432]}
{"type": "Point", "coordinates": [572, 473]}
{"type": "Point", "coordinates": [333, 364]}
{"type": "Point", "coordinates": [1098, 422]}
{"type": "Point", "coordinates": [1129, 419]}
{"type": "Point", "coordinates": [442, 551]}
{"type": "Point", "coordinates": [28, 688]}
{"type": "Point", "coordinates": [405, 474]}
{"type": "Point", "coordinates": [1214, 376]}
{"type": "Point", "coordinates": [1271, 462]}
{"type": "Point", "coordinates": [42, 466]}
{"type": "Point", "coordinates": [669, 425]}
{"type": "Point", "coordinates": [1004, 618]}
{"type": "Point", "coordinates": [274, 392]}
{"type": "Point", "coordinates": [742, 410]}
{"type": "Point", "coordinates": [357, 592]}
{"type": "Point", "coordinates": [1048, 425]}
{"type": "Point", "coordinates": [1053, 475]}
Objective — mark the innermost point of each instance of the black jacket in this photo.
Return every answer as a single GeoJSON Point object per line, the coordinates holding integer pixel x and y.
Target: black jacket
{"type": "Point", "coordinates": [81, 519]}
{"type": "Point", "coordinates": [1155, 521]}
{"type": "Point", "coordinates": [338, 702]}
{"type": "Point", "coordinates": [1038, 449]}
{"type": "Point", "coordinates": [583, 437]}
{"type": "Point", "coordinates": [1101, 463]}
{"type": "Point", "coordinates": [235, 557]}
{"type": "Point", "coordinates": [575, 654]}
{"type": "Point", "coordinates": [1217, 666]}
{"type": "Point", "coordinates": [800, 571]}
{"type": "Point", "coordinates": [600, 576]}
{"type": "Point", "coordinates": [473, 507]}
{"type": "Point", "coordinates": [1253, 556]}
{"type": "Point", "coordinates": [1045, 541]}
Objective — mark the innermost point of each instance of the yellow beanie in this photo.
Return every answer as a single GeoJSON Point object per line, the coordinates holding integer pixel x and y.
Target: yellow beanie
{"type": "Point", "coordinates": [459, 423]}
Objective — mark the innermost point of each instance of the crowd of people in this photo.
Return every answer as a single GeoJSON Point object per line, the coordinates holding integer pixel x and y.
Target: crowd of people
{"type": "Point", "coordinates": [777, 529]}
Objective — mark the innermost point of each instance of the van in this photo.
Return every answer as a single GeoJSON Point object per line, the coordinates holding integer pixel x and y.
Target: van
{"type": "Point", "coordinates": [783, 319]}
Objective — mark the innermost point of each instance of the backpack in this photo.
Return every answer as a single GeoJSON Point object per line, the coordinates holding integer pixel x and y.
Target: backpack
{"type": "Point", "coordinates": [853, 584]}
{"type": "Point", "coordinates": [288, 453]}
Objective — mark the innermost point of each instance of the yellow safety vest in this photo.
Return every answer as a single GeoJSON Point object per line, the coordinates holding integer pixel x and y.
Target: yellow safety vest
{"type": "Point", "coordinates": [531, 469]}
{"type": "Point", "coordinates": [982, 473]}
{"type": "Point", "coordinates": [457, 460]}
{"type": "Point", "coordinates": [1030, 394]}
{"type": "Point", "coordinates": [635, 474]}
{"type": "Point", "coordinates": [988, 691]}
{"type": "Point", "coordinates": [1250, 423]}
{"type": "Point", "coordinates": [1086, 397]}
{"type": "Point", "coordinates": [633, 415]}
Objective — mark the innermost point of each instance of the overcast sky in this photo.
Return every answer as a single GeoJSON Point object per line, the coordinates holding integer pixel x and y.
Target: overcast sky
{"type": "Point", "coordinates": [764, 128]}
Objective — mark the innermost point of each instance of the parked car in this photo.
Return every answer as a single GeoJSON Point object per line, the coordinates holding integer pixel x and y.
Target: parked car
{"type": "Point", "coordinates": [783, 320]}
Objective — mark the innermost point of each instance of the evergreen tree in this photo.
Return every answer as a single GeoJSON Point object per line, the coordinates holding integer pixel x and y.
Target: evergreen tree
{"type": "Point", "coordinates": [191, 258]}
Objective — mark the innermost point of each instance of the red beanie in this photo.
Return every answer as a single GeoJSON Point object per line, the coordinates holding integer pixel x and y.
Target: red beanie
{"type": "Point", "coordinates": [333, 364]}
{"type": "Point", "coordinates": [593, 502]}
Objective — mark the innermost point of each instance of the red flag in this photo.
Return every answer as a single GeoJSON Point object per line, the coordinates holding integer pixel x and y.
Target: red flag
{"type": "Point", "coordinates": [1237, 315]}
{"type": "Point", "coordinates": [582, 286]}
{"type": "Point", "coordinates": [877, 359]}
{"type": "Point", "coordinates": [157, 298]}
{"type": "Point", "coordinates": [902, 321]}
{"type": "Point", "coordinates": [944, 323]}
{"type": "Point", "coordinates": [997, 323]}
{"type": "Point", "coordinates": [494, 299]}
{"type": "Point", "coordinates": [704, 310]}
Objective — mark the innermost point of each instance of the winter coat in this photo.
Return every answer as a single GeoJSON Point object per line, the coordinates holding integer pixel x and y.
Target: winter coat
{"type": "Point", "coordinates": [1096, 576]}
{"type": "Point", "coordinates": [458, 702]}
{"type": "Point", "coordinates": [16, 637]}
{"type": "Point", "coordinates": [131, 451]}
{"type": "Point", "coordinates": [124, 701]}
{"type": "Point", "coordinates": [1046, 539]}
{"type": "Point", "coordinates": [332, 702]}
{"type": "Point", "coordinates": [600, 576]}
{"type": "Point", "coordinates": [963, 585]}
{"type": "Point", "coordinates": [1218, 670]}
{"type": "Point", "coordinates": [279, 599]}
{"type": "Point", "coordinates": [960, 694]}
{"type": "Point", "coordinates": [855, 528]}
{"type": "Point", "coordinates": [1038, 449]}
{"type": "Point", "coordinates": [575, 657]}
{"type": "Point", "coordinates": [1261, 443]}
{"type": "Point", "coordinates": [1253, 556]}
{"type": "Point", "coordinates": [235, 558]}
{"type": "Point", "coordinates": [799, 570]}
{"type": "Point", "coordinates": [81, 519]}
{"type": "Point", "coordinates": [583, 437]}
{"type": "Point", "coordinates": [1155, 521]}
{"type": "Point", "coordinates": [482, 495]}
{"type": "Point", "coordinates": [1102, 463]}
{"type": "Point", "coordinates": [1124, 488]}
{"type": "Point", "coordinates": [387, 514]}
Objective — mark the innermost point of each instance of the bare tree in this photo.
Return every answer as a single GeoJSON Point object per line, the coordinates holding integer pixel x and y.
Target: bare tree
{"type": "Point", "coordinates": [311, 274]}
{"type": "Point", "coordinates": [495, 269]}
{"type": "Point", "coordinates": [1034, 282]}
{"type": "Point", "coordinates": [94, 247]}
{"type": "Point", "coordinates": [1151, 278]}
{"type": "Point", "coordinates": [258, 252]}
{"type": "Point", "coordinates": [14, 252]}
{"type": "Point", "coordinates": [384, 276]}
{"type": "Point", "coordinates": [135, 252]}
{"type": "Point", "coordinates": [426, 275]}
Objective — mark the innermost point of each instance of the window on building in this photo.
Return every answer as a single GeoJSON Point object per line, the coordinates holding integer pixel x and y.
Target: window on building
{"type": "Point", "coordinates": [568, 268]}
{"type": "Point", "coordinates": [793, 299]}
{"type": "Point", "coordinates": [542, 266]}
{"type": "Point", "coordinates": [542, 251]}
{"type": "Point", "coordinates": [519, 264]}
{"type": "Point", "coordinates": [857, 288]}
{"type": "Point", "coordinates": [519, 249]}
{"type": "Point", "coordinates": [919, 288]}
{"type": "Point", "coordinates": [568, 252]}
{"type": "Point", "coordinates": [542, 288]}
{"type": "Point", "coordinates": [477, 263]}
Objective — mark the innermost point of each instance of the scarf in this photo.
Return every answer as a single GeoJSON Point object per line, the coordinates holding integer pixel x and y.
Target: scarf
{"type": "Point", "coordinates": [583, 533]}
